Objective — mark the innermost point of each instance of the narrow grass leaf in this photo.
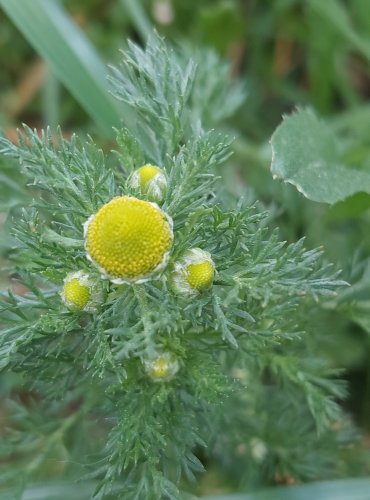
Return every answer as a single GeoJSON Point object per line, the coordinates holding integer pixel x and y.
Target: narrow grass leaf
{"type": "Point", "coordinates": [58, 40]}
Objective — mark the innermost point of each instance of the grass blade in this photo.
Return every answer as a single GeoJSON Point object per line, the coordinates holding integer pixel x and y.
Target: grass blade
{"type": "Point", "coordinates": [339, 17]}
{"type": "Point", "coordinates": [74, 61]}
{"type": "Point", "coordinates": [138, 16]}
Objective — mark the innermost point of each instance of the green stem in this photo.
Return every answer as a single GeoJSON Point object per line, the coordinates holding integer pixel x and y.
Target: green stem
{"type": "Point", "coordinates": [256, 155]}
{"type": "Point", "coordinates": [149, 331]}
{"type": "Point", "coordinates": [50, 100]}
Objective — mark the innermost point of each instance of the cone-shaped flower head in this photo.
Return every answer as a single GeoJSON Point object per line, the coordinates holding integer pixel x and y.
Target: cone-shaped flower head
{"type": "Point", "coordinates": [193, 273]}
{"type": "Point", "coordinates": [151, 180]}
{"type": "Point", "coordinates": [163, 368]}
{"type": "Point", "coordinates": [81, 293]}
{"type": "Point", "coordinates": [129, 240]}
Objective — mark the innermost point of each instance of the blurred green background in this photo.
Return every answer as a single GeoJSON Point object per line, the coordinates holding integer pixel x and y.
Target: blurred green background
{"type": "Point", "coordinates": [284, 54]}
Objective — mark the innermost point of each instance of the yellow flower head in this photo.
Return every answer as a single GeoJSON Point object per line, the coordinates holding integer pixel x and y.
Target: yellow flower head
{"type": "Point", "coordinates": [200, 276]}
{"type": "Point", "coordinates": [80, 293]}
{"type": "Point", "coordinates": [129, 240]}
{"type": "Point", "coordinates": [163, 368]}
{"type": "Point", "coordinates": [193, 273]}
{"type": "Point", "coordinates": [151, 181]}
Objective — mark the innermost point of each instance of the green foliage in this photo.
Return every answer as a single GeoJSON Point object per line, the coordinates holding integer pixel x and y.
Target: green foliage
{"type": "Point", "coordinates": [356, 489]}
{"type": "Point", "coordinates": [221, 25]}
{"type": "Point", "coordinates": [12, 192]}
{"type": "Point", "coordinates": [306, 154]}
{"type": "Point", "coordinates": [91, 367]}
{"type": "Point", "coordinates": [338, 17]}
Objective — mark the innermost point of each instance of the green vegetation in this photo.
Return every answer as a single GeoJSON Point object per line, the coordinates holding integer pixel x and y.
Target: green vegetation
{"type": "Point", "coordinates": [260, 379]}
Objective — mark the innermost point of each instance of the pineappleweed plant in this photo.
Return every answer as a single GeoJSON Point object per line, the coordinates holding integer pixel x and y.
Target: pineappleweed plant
{"type": "Point", "coordinates": [156, 303]}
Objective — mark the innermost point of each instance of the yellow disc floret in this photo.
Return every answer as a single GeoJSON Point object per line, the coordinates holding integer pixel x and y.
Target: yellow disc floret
{"type": "Point", "coordinates": [162, 368]}
{"type": "Point", "coordinates": [200, 276]}
{"type": "Point", "coordinates": [80, 292]}
{"type": "Point", "coordinates": [193, 273]}
{"type": "Point", "coordinates": [76, 293]}
{"type": "Point", "coordinates": [129, 239]}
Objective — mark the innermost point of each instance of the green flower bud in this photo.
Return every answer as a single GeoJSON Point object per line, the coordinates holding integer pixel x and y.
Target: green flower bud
{"type": "Point", "coordinates": [193, 273]}
{"type": "Point", "coordinates": [163, 368]}
{"type": "Point", "coordinates": [151, 181]}
{"type": "Point", "coordinates": [81, 293]}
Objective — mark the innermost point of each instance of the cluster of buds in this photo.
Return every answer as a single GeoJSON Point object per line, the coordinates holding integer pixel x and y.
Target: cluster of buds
{"type": "Point", "coordinates": [129, 241]}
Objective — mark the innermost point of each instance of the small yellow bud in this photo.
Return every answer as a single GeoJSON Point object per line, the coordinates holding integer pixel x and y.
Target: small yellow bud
{"type": "Point", "coordinates": [76, 293]}
{"type": "Point", "coordinates": [146, 174]}
{"type": "Point", "coordinates": [200, 276]}
{"type": "Point", "coordinates": [163, 368]}
{"type": "Point", "coordinates": [151, 181]}
{"type": "Point", "coordinates": [79, 293]}
{"type": "Point", "coordinates": [193, 273]}
{"type": "Point", "coordinates": [129, 240]}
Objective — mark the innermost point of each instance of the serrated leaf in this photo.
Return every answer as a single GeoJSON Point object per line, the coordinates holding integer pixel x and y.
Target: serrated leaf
{"type": "Point", "coordinates": [305, 154]}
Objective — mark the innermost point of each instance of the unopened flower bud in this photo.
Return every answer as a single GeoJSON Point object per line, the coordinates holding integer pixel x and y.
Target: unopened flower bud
{"type": "Point", "coordinates": [193, 273]}
{"type": "Point", "coordinates": [163, 368]}
{"type": "Point", "coordinates": [81, 293]}
{"type": "Point", "coordinates": [151, 181]}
